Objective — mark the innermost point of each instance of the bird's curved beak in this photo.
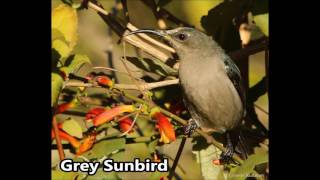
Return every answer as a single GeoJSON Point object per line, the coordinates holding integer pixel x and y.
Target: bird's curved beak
{"type": "Point", "coordinates": [160, 33]}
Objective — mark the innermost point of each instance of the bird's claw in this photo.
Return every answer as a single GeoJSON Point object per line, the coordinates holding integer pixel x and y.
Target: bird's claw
{"type": "Point", "coordinates": [226, 157]}
{"type": "Point", "coordinates": [190, 127]}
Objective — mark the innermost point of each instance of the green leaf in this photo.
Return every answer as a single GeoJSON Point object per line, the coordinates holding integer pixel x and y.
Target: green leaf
{"type": "Point", "coordinates": [68, 2]}
{"type": "Point", "coordinates": [55, 58]}
{"type": "Point", "coordinates": [101, 175]}
{"type": "Point", "coordinates": [240, 172]}
{"type": "Point", "coordinates": [60, 175]}
{"type": "Point", "coordinates": [76, 4]}
{"type": "Point", "coordinates": [153, 65]}
{"type": "Point", "coordinates": [260, 149]}
{"type": "Point", "coordinates": [152, 146]}
{"type": "Point", "coordinates": [146, 127]}
{"type": "Point", "coordinates": [77, 62]}
{"type": "Point", "coordinates": [56, 86]}
{"type": "Point", "coordinates": [191, 11]}
{"type": "Point", "coordinates": [157, 175]}
{"type": "Point", "coordinates": [204, 156]}
{"type": "Point", "coordinates": [199, 143]}
{"type": "Point", "coordinates": [159, 93]}
{"type": "Point", "coordinates": [106, 147]}
{"type": "Point", "coordinates": [166, 94]}
{"type": "Point", "coordinates": [56, 34]}
{"type": "Point", "coordinates": [64, 19]}
{"type": "Point", "coordinates": [62, 48]}
{"type": "Point", "coordinates": [262, 21]}
{"type": "Point", "coordinates": [73, 128]}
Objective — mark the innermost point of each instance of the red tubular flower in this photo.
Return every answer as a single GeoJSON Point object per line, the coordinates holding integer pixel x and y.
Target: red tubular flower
{"type": "Point", "coordinates": [163, 178]}
{"type": "Point", "coordinates": [94, 112]}
{"type": "Point", "coordinates": [125, 125]}
{"type": "Point", "coordinates": [87, 144]}
{"type": "Point", "coordinates": [65, 136]}
{"type": "Point", "coordinates": [104, 81]}
{"type": "Point", "coordinates": [165, 127]}
{"type": "Point", "coordinates": [109, 114]}
{"type": "Point", "coordinates": [65, 106]}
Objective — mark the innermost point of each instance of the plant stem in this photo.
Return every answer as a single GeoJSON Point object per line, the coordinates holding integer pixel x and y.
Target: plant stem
{"type": "Point", "coordinates": [145, 86]}
{"type": "Point", "coordinates": [170, 115]}
{"type": "Point", "coordinates": [148, 86]}
{"type": "Point", "coordinates": [137, 42]}
{"type": "Point", "coordinates": [151, 40]}
{"type": "Point", "coordinates": [175, 163]}
{"type": "Point", "coordinates": [181, 121]}
{"type": "Point", "coordinates": [133, 28]}
{"type": "Point", "coordinates": [125, 10]}
{"type": "Point", "coordinates": [161, 12]}
{"type": "Point", "coordinates": [57, 137]}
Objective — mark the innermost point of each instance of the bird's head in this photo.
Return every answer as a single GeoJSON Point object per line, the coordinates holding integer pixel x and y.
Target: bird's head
{"type": "Point", "coordinates": [183, 39]}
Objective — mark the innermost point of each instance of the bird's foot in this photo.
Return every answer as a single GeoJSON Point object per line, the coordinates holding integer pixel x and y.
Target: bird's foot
{"type": "Point", "coordinates": [226, 157]}
{"type": "Point", "coordinates": [190, 127]}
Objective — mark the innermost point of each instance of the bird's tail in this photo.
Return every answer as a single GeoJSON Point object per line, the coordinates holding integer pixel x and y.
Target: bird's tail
{"type": "Point", "coordinates": [242, 146]}
{"type": "Point", "coordinates": [239, 142]}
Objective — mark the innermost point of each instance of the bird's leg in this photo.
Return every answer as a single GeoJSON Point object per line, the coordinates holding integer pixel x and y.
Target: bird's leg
{"type": "Point", "coordinates": [190, 127]}
{"type": "Point", "coordinates": [227, 155]}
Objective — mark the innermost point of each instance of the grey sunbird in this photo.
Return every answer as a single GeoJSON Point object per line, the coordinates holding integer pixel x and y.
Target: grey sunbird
{"type": "Point", "coordinates": [211, 85]}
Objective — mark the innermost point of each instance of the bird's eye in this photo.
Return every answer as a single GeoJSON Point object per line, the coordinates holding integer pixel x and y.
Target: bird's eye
{"type": "Point", "coordinates": [181, 36]}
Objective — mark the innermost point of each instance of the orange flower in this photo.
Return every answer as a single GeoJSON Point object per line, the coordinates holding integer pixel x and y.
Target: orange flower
{"type": "Point", "coordinates": [104, 81]}
{"type": "Point", "coordinates": [125, 124]}
{"type": "Point", "coordinates": [65, 106]}
{"type": "Point", "coordinates": [94, 112]}
{"type": "Point", "coordinates": [165, 127]}
{"type": "Point", "coordinates": [216, 162]}
{"type": "Point", "coordinates": [65, 136]}
{"type": "Point", "coordinates": [109, 114]}
{"type": "Point", "coordinates": [163, 178]}
{"type": "Point", "coordinates": [156, 158]}
{"type": "Point", "coordinates": [87, 144]}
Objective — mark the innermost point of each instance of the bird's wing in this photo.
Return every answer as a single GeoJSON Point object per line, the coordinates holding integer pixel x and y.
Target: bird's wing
{"type": "Point", "coordinates": [234, 75]}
